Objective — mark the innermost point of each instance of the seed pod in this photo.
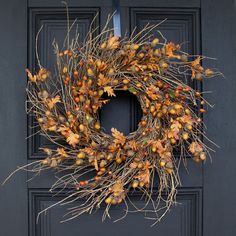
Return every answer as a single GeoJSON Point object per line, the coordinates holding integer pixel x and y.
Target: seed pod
{"type": "Point", "coordinates": [97, 125]}
{"type": "Point", "coordinates": [103, 45]}
{"type": "Point", "coordinates": [125, 81]}
{"type": "Point", "coordinates": [90, 72]}
{"type": "Point", "coordinates": [81, 127]}
{"type": "Point", "coordinates": [202, 156]}
{"type": "Point", "coordinates": [135, 184]}
{"type": "Point", "coordinates": [154, 42]}
{"type": "Point", "coordinates": [189, 127]}
{"type": "Point", "coordinates": [162, 163]}
{"type": "Point", "coordinates": [209, 72]}
{"type": "Point", "coordinates": [81, 155]}
{"type": "Point", "coordinates": [102, 163]}
{"type": "Point", "coordinates": [118, 160]}
{"type": "Point", "coordinates": [185, 136]}
{"type": "Point", "coordinates": [108, 200]}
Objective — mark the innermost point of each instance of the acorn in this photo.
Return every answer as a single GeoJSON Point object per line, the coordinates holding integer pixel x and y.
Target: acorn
{"type": "Point", "coordinates": [202, 110]}
{"type": "Point", "coordinates": [40, 120]}
{"type": "Point", "coordinates": [81, 127]}
{"type": "Point", "coordinates": [135, 46]}
{"type": "Point", "coordinates": [125, 81]}
{"type": "Point", "coordinates": [187, 111]}
{"type": "Point", "coordinates": [79, 162]}
{"type": "Point", "coordinates": [152, 108]}
{"type": "Point", "coordinates": [141, 184]}
{"type": "Point", "coordinates": [97, 125]}
{"type": "Point", "coordinates": [143, 122]}
{"type": "Point", "coordinates": [135, 184]}
{"type": "Point", "coordinates": [154, 42]}
{"type": "Point", "coordinates": [162, 163]}
{"type": "Point", "coordinates": [173, 141]}
{"type": "Point", "coordinates": [108, 200]}
{"type": "Point", "coordinates": [185, 136]}
{"type": "Point", "coordinates": [139, 85]}
{"type": "Point", "coordinates": [103, 45]}
{"type": "Point", "coordinates": [111, 72]}
{"type": "Point", "coordinates": [109, 156]}
{"type": "Point", "coordinates": [81, 155]}
{"type": "Point", "coordinates": [90, 72]}
{"type": "Point", "coordinates": [102, 163]}
{"type": "Point", "coordinates": [65, 70]}
{"type": "Point", "coordinates": [172, 111]}
{"type": "Point", "coordinates": [202, 156]}
{"type": "Point", "coordinates": [189, 127]}
{"type": "Point", "coordinates": [154, 149]}
{"type": "Point", "coordinates": [118, 160]}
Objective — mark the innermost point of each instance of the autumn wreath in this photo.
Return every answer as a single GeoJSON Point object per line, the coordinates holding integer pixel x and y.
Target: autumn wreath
{"type": "Point", "coordinates": [99, 168]}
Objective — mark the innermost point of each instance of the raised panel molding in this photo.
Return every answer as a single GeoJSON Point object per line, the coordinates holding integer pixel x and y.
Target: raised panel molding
{"type": "Point", "coordinates": [185, 219]}
{"type": "Point", "coordinates": [181, 24]}
{"type": "Point", "coordinates": [54, 26]}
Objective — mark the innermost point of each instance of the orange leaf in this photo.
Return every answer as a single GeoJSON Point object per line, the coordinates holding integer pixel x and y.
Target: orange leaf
{"type": "Point", "coordinates": [61, 152]}
{"type": "Point", "coordinates": [195, 147]}
{"type": "Point", "coordinates": [102, 80]}
{"type": "Point", "coordinates": [109, 91]}
{"type": "Point", "coordinates": [119, 137]}
{"type": "Point", "coordinates": [51, 102]}
{"type": "Point", "coordinates": [32, 78]}
{"type": "Point", "coordinates": [73, 139]}
{"type": "Point", "coordinates": [113, 42]}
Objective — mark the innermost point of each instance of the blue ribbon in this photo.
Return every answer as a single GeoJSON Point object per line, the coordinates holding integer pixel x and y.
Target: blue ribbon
{"type": "Point", "coordinates": [116, 18]}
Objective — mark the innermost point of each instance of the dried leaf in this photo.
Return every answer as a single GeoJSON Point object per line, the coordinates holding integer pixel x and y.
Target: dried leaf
{"type": "Point", "coordinates": [195, 147]}
{"type": "Point", "coordinates": [102, 80]}
{"type": "Point", "coordinates": [73, 139]}
{"type": "Point", "coordinates": [119, 137]}
{"type": "Point", "coordinates": [51, 102]}
{"type": "Point", "coordinates": [113, 42]}
{"type": "Point", "coordinates": [64, 130]}
{"type": "Point", "coordinates": [32, 78]}
{"type": "Point", "coordinates": [61, 152]}
{"type": "Point", "coordinates": [109, 91]}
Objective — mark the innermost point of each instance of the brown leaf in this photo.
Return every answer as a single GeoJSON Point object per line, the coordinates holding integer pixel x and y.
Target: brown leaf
{"type": "Point", "coordinates": [51, 102]}
{"type": "Point", "coordinates": [109, 90]}
{"type": "Point", "coordinates": [195, 147]}
{"type": "Point", "coordinates": [119, 137]}
{"type": "Point", "coordinates": [102, 80]}
{"type": "Point", "coordinates": [32, 78]}
{"type": "Point", "coordinates": [113, 42]}
{"type": "Point", "coordinates": [73, 139]}
{"type": "Point", "coordinates": [61, 152]}
{"type": "Point", "coordinates": [64, 130]}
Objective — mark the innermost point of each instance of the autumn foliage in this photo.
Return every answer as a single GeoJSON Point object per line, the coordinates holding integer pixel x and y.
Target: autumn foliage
{"type": "Point", "coordinates": [103, 167]}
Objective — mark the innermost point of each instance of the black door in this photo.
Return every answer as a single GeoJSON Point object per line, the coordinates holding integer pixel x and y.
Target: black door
{"type": "Point", "coordinates": [207, 195]}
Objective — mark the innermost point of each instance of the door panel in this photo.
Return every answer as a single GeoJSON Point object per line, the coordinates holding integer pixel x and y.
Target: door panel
{"type": "Point", "coordinates": [200, 197]}
{"type": "Point", "coordinates": [183, 220]}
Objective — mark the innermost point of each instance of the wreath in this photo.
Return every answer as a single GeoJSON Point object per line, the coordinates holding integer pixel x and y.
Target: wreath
{"type": "Point", "coordinates": [98, 168]}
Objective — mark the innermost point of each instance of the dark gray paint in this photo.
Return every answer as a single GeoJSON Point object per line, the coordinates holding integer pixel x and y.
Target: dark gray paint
{"type": "Point", "coordinates": [207, 195]}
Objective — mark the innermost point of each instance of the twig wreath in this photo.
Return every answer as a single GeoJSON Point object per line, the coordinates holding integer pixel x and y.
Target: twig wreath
{"type": "Point", "coordinates": [98, 168]}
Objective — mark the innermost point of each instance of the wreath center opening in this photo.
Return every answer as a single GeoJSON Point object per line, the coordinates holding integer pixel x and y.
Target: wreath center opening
{"type": "Point", "coordinates": [122, 112]}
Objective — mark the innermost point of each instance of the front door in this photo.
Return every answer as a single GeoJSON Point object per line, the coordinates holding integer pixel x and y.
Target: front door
{"type": "Point", "coordinates": [207, 194]}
